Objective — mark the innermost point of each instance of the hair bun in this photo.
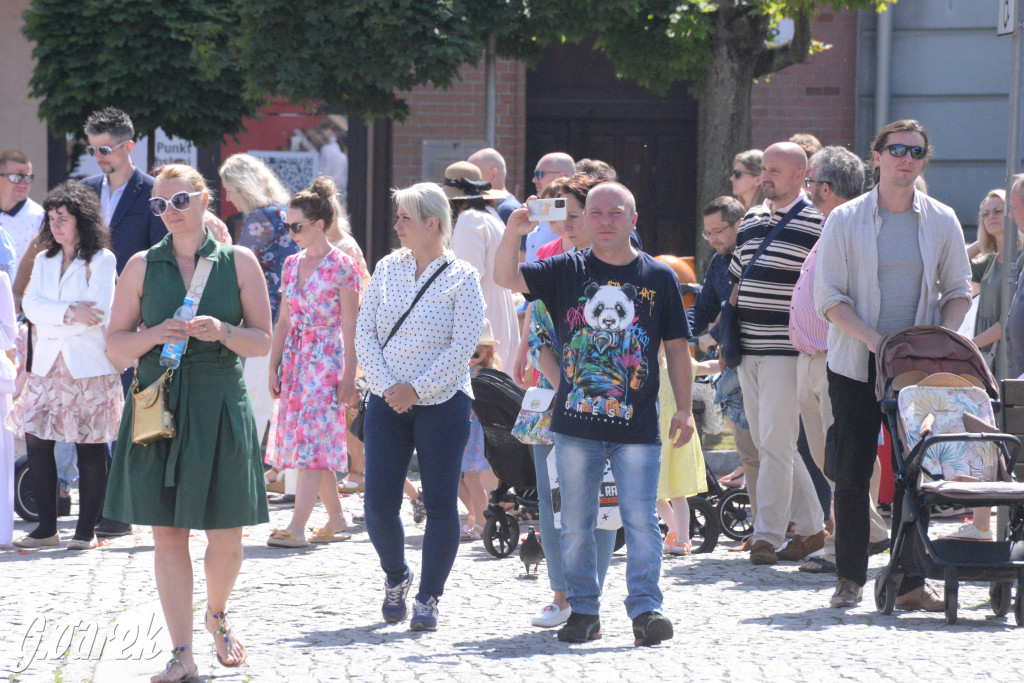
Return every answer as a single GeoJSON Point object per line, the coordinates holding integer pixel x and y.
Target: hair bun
{"type": "Point", "coordinates": [324, 187]}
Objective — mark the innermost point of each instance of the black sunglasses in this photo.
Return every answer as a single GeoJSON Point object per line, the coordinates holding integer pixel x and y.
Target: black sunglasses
{"type": "Point", "coordinates": [916, 152]}
{"type": "Point", "coordinates": [736, 174]}
{"type": "Point", "coordinates": [16, 178]}
{"type": "Point", "coordinates": [179, 201]}
{"type": "Point", "coordinates": [296, 228]}
{"type": "Point", "coordinates": [104, 150]}
{"type": "Point", "coordinates": [539, 174]}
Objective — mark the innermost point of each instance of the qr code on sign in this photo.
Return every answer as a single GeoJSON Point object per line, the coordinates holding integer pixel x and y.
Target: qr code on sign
{"type": "Point", "coordinates": [296, 170]}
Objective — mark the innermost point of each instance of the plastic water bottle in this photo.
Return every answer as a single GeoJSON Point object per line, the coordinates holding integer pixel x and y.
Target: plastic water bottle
{"type": "Point", "coordinates": [171, 356]}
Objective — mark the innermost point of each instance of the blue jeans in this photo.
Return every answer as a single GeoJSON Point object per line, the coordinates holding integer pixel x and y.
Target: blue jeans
{"type": "Point", "coordinates": [551, 537]}
{"type": "Point", "coordinates": [439, 434]}
{"type": "Point", "coordinates": [580, 465]}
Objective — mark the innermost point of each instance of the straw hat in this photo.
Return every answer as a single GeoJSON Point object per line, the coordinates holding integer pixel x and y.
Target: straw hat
{"type": "Point", "coordinates": [462, 180]}
{"type": "Point", "coordinates": [486, 336]}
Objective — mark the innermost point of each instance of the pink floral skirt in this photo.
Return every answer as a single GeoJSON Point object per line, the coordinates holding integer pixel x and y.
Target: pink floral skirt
{"type": "Point", "coordinates": [59, 407]}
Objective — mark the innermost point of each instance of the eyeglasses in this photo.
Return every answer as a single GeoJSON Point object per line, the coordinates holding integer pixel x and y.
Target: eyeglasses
{"type": "Point", "coordinates": [179, 201]}
{"type": "Point", "coordinates": [16, 178]}
{"type": "Point", "coordinates": [476, 354]}
{"type": "Point", "coordinates": [104, 150]}
{"type": "Point", "coordinates": [994, 212]}
{"type": "Point", "coordinates": [736, 174]}
{"type": "Point", "coordinates": [539, 174]}
{"type": "Point", "coordinates": [708, 234]}
{"type": "Point", "coordinates": [916, 152]}
{"type": "Point", "coordinates": [810, 182]}
{"type": "Point", "coordinates": [296, 228]}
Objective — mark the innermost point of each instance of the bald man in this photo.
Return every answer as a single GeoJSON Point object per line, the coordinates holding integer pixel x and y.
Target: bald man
{"type": "Point", "coordinates": [767, 372]}
{"type": "Point", "coordinates": [493, 169]}
{"type": "Point", "coordinates": [552, 165]}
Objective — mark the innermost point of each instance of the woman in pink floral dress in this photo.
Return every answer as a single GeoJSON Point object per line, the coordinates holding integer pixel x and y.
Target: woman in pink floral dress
{"type": "Point", "coordinates": [313, 364]}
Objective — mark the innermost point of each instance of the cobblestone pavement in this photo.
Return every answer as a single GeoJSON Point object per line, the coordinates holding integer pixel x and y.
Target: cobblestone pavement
{"type": "Point", "coordinates": [314, 615]}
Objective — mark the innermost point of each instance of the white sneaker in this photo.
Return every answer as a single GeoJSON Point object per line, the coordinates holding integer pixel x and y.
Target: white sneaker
{"type": "Point", "coordinates": [552, 615]}
{"type": "Point", "coordinates": [969, 532]}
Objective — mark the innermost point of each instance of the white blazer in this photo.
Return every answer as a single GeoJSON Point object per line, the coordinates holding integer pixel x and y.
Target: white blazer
{"type": "Point", "coordinates": [46, 301]}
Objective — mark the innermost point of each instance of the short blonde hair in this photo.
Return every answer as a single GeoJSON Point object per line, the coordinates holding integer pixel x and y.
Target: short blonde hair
{"type": "Point", "coordinates": [427, 200]}
{"type": "Point", "coordinates": [255, 185]}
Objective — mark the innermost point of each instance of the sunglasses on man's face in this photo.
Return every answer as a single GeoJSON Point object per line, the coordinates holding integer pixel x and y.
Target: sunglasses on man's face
{"type": "Point", "coordinates": [179, 201]}
{"type": "Point", "coordinates": [916, 152]}
{"type": "Point", "coordinates": [296, 228]}
{"type": "Point", "coordinates": [104, 150]}
{"type": "Point", "coordinates": [16, 178]}
{"type": "Point", "coordinates": [539, 174]}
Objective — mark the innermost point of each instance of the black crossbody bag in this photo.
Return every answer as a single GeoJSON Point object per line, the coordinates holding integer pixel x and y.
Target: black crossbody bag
{"type": "Point", "coordinates": [356, 428]}
{"type": "Point", "coordinates": [729, 319]}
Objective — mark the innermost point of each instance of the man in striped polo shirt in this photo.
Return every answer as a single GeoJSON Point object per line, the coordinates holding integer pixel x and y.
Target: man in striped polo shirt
{"type": "Point", "coordinates": [768, 368]}
{"type": "Point", "coordinates": [836, 177]}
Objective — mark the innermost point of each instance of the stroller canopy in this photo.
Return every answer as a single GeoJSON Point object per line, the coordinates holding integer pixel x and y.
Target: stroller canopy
{"type": "Point", "coordinates": [929, 349]}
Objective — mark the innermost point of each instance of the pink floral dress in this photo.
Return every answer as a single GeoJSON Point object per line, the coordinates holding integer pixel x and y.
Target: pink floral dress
{"type": "Point", "coordinates": [310, 425]}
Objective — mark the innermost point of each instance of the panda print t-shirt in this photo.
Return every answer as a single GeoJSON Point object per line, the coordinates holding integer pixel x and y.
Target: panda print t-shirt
{"type": "Point", "coordinates": [611, 321]}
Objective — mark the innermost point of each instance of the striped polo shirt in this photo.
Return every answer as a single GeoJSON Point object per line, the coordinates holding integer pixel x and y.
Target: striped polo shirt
{"type": "Point", "coordinates": [767, 290]}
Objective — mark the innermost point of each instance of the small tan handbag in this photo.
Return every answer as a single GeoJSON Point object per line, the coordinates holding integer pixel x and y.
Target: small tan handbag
{"type": "Point", "coordinates": [152, 418]}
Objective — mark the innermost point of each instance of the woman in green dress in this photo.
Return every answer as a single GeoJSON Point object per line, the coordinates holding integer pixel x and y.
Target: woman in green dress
{"type": "Point", "coordinates": [209, 475]}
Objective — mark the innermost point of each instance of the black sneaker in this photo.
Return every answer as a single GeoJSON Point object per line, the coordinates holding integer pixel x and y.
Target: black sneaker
{"type": "Point", "coordinates": [580, 628]}
{"type": "Point", "coordinates": [109, 528]}
{"type": "Point", "coordinates": [650, 628]}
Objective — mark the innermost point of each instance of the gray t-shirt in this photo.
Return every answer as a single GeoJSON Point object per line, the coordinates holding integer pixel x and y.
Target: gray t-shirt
{"type": "Point", "coordinates": [900, 270]}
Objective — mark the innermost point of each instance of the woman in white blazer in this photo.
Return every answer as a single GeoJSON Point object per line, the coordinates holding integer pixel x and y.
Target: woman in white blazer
{"type": "Point", "coordinates": [72, 391]}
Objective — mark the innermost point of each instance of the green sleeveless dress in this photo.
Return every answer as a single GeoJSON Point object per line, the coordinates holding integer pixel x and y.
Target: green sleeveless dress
{"type": "Point", "coordinates": [210, 475]}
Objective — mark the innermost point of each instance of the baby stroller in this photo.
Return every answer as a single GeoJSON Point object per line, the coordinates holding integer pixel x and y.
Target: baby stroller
{"type": "Point", "coordinates": [937, 396]}
{"type": "Point", "coordinates": [496, 402]}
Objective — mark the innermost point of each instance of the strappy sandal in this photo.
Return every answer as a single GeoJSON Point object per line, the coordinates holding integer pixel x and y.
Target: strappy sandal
{"type": "Point", "coordinates": [164, 676]}
{"type": "Point", "coordinates": [223, 631]}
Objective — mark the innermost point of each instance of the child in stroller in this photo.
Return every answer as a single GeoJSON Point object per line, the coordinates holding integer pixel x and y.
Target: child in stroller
{"type": "Point", "coordinates": [937, 396]}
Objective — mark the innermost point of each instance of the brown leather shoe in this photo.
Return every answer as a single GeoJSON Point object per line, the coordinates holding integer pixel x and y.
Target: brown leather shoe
{"type": "Point", "coordinates": [924, 598]}
{"type": "Point", "coordinates": [763, 553]}
{"type": "Point", "coordinates": [798, 548]}
{"type": "Point", "coordinates": [744, 546]}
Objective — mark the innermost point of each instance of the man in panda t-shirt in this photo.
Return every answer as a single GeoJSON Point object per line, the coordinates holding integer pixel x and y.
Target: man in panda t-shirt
{"type": "Point", "coordinates": [613, 307]}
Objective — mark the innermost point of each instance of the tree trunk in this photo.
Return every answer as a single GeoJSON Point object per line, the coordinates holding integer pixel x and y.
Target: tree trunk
{"type": "Point", "coordinates": [724, 118]}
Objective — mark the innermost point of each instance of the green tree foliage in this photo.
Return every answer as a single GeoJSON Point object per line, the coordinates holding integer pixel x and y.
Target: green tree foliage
{"type": "Point", "coordinates": [360, 54]}
{"type": "Point", "coordinates": [165, 63]}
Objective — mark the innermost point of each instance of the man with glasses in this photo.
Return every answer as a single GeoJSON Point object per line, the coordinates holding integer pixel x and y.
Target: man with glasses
{"type": "Point", "coordinates": [124, 192]}
{"type": "Point", "coordinates": [791, 226]}
{"type": "Point", "coordinates": [836, 177]}
{"type": "Point", "coordinates": [123, 189]}
{"type": "Point", "coordinates": [890, 259]}
{"type": "Point", "coordinates": [20, 216]}
{"type": "Point", "coordinates": [551, 166]}
{"type": "Point", "coordinates": [722, 217]}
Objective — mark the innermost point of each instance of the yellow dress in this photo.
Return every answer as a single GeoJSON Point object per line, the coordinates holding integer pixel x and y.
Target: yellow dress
{"type": "Point", "coordinates": [682, 469]}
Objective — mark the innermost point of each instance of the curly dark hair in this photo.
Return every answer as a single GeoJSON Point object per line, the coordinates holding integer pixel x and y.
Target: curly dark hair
{"type": "Point", "coordinates": [82, 203]}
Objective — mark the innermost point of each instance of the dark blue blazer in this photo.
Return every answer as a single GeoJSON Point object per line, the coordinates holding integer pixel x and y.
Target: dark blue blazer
{"type": "Point", "coordinates": [133, 227]}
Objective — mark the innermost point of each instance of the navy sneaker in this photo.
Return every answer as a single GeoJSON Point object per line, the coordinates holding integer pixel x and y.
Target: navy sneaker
{"type": "Point", "coordinates": [395, 608]}
{"type": "Point", "coordinates": [424, 615]}
{"type": "Point", "coordinates": [580, 628]}
{"type": "Point", "coordinates": [650, 628]}
{"type": "Point", "coordinates": [419, 510]}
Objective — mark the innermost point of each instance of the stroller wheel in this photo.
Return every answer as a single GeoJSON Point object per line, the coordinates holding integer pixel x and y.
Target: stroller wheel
{"type": "Point", "coordinates": [704, 527]}
{"type": "Point", "coordinates": [24, 497]}
{"type": "Point", "coordinates": [734, 514]}
{"type": "Point", "coordinates": [501, 534]}
{"type": "Point", "coordinates": [1000, 596]}
{"type": "Point", "coordinates": [885, 595]}
{"type": "Point", "coordinates": [950, 597]}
